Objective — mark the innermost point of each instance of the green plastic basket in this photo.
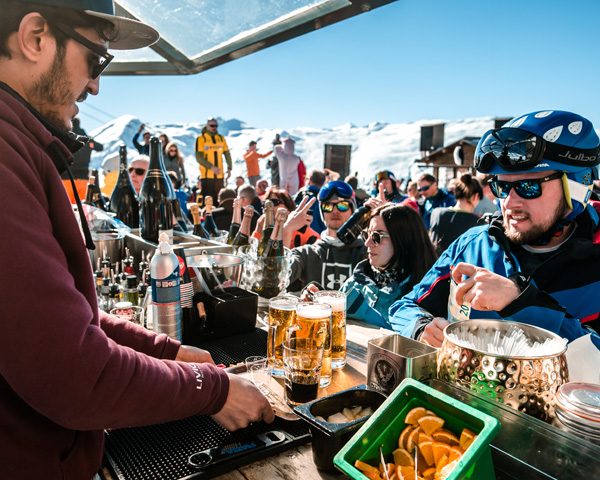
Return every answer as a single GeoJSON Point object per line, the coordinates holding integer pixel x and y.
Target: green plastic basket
{"type": "Point", "coordinates": [385, 425]}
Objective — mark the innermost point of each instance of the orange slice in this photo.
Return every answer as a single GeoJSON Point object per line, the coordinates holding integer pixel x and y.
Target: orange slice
{"type": "Point", "coordinates": [466, 438]}
{"type": "Point", "coordinates": [441, 463]}
{"type": "Point", "coordinates": [367, 469]}
{"type": "Point", "coordinates": [423, 437]}
{"type": "Point", "coordinates": [445, 436]}
{"type": "Point", "coordinates": [455, 453]}
{"type": "Point", "coordinates": [403, 458]}
{"type": "Point", "coordinates": [446, 470]}
{"type": "Point", "coordinates": [413, 439]}
{"type": "Point", "coordinates": [390, 467]}
{"type": "Point", "coordinates": [405, 473]}
{"type": "Point", "coordinates": [426, 449]}
{"type": "Point", "coordinates": [413, 416]}
{"type": "Point", "coordinates": [431, 423]}
{"type": "Point", "coordinates": [429, 473]}
{"type": "Point", "coordinates": [404, 436]}
{"type": "Point", "coordinates": [439, 450]}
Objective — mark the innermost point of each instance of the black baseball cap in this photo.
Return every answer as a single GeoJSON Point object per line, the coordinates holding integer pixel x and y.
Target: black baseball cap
{"type": "Point", "coordinates": [131, 34]}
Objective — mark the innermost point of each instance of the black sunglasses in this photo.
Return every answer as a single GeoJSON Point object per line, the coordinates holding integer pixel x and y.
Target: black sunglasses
{"type": "Point", "coordinates": [375, 236]}
{"type": "Point", "coordinates": [527, 188]}
{"type": "Point", "coordinates": [275, 201]}
{"type": "Point", "coordinates": [99, 60]}
{"type": "Point", "coordinates": [213, 125]}
{"type": "Point", "coordinates": [138, 171]}
{"type": "Point", "coordinates": [424, 188]}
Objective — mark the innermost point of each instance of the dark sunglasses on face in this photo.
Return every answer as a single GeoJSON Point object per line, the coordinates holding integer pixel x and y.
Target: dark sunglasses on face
{"type": "Point", "coordinates": [99, 58]}
{"type": "Point", "coordinates": [375, 236]}
{"type": "Point", "coordinates": [527, 188]}
{"type": "Point", "coordinates": [424, 188]}
{"type": "Point", "coordinates": [138, 171]}
{"type": "Point", "coordinates": [276, 202]}
{"type": "Point", "coordinates": [342, 206]}
{"type": "Point", "coordinates": [214, 125]}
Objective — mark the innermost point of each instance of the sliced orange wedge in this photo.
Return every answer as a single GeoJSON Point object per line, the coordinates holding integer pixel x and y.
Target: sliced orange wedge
{"type": "Point", "coordinates": [404, 436]}
{"type": "Point", "coordinates": [426, 449]}
{"type": "Point", "coordinates": [413, 439]}
{"type": "Point", "coordinates": [402, 458]}
{"type": "Point", "coordinates": [413, 416]}
{"type": "Point", "coordinates": [431, 424]}
{"type": "Point", "coordinates": [455, 453]}
{"type": "Point", "coordinates": [439, 450]}
{"type": "Point", "coordinates": [445, 436]}
{"type": "Point", "coordinates": [466, 438]}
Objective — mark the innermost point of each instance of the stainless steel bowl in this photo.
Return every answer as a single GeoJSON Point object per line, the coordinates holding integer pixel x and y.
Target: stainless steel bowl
{"type": "Point", "coordinates": [528, 384]}
{"type": "Point", "coordinates": [110, 245]}
{"type": "Point", "coordinates": [216, 269]}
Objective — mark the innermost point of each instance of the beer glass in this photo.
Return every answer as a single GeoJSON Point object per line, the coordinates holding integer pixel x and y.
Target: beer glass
{"type": "Point", "coordinates": [337, 300]}
{"type": "Point", "coordinates": [302, 361]}
{"type": "Point", "coordinates": [282, 313]}
{"type": "Point", "coordinates": [313, 320]}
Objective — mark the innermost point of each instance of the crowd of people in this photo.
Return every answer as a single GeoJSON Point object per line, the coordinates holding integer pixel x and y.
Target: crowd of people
{"type": "Point", "coordinates": [523, 245]}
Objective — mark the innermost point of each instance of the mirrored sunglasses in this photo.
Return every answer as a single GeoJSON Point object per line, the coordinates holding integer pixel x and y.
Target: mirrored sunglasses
{"type": "Point", "coordinates": [528, 188]}
{"type": "Point", "coordinates": [342, 206]}
{"type": "Point", "coordinates": [375, 236]}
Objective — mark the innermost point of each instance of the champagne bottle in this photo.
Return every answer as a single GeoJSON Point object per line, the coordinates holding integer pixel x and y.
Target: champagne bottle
{"type": "Point", "coordinates": [268, 228]}
{"type": "Point", "coordinates": [275, 244]}
{"type": "Point", "coordinates": [93, 195]}
{"type": "Point", "coordinates": [243, 235]}
{"type": "Point", "coordinates": [209, 222]}
{"type": "Point", "coordinates": [351, 229]}
{"type": "Point", "coordinates": [235, 221]}
{"type": "Point", "coordinates": [124, 201]}
{"type": "Point", "coordinates": [156, 198]}
{"type": "Point", "coordinates": [199, 230]}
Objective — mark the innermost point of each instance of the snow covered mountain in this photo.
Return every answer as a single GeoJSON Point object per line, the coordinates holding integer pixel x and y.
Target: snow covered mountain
{"type": "Point", "coordinates": [375, 147]}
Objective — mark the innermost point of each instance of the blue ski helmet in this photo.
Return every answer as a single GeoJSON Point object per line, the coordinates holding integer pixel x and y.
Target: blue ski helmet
{"type": "Point", "coordinates": [541, 141]}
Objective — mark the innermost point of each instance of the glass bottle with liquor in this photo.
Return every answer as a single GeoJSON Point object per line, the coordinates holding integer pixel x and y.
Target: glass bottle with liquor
{"type": "Point", "coordinates": [209, 222]}
{"type": "Point", "coordinates": [351, 229]}
{"type": "Point", "coordinates": [268, 228]}
{"type": "Point", "coordinates": [124, 201]}
{"type": "Point", "coordinates": [235, 221]}
{"type": "Point", "coordinates": [243, 235]}
{"type": "Point", "coordinates": [93, 195]}
{"type": "Point", "coordinates": [156, 197]}
{"type": "Point", "coordinates": [275, 246]}
{"type": "Point", "coordinates": [199, 230]}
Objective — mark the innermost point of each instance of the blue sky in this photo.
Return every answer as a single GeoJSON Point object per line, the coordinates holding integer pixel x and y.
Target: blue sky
{"type": "Point", "coordinates": [410, 60]}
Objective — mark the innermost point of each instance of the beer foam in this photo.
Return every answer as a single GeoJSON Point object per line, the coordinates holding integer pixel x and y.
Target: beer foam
{"type": "Point", "coordinates": [283, 305]}
{"type": "Point", "coordinates": [338, 304]}
{"type": "Point", "coordinates": [311, 311]}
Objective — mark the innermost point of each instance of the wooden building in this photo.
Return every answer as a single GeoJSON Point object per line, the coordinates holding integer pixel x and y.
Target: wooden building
{"type": "Point", "coordinates": [451, 161]}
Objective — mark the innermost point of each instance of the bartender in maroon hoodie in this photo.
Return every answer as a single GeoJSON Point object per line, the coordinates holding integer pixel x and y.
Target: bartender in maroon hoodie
{"type": "Point", "coordinates": [67, 370]}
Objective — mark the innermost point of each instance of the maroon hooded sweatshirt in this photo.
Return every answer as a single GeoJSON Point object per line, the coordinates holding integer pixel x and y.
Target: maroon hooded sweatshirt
{"type": "Point", "coordinates": [68, 371]}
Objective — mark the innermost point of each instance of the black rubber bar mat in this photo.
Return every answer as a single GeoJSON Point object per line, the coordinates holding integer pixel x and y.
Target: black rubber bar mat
{"type": "Point", "coordinates": [161, 452]}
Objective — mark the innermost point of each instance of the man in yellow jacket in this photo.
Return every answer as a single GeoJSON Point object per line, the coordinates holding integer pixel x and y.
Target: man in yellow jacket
{"type": "Point", "coordinates": [211, 147]}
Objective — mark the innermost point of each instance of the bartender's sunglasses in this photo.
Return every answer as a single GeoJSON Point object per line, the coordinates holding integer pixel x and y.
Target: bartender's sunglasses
{"type": "Point", "coordinates": [528, 188]}
{"type": "Point", "coordinates": [99, 57]}
{"type": "Point", "coordinates": [516, 150]}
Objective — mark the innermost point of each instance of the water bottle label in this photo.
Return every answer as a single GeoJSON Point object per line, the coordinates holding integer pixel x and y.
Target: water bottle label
{"type": "Point", "coordinates": [166, 290]}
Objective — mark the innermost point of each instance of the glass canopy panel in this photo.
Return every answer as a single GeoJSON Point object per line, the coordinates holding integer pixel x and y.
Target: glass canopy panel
{"type": "Point", "coordinates": [204, 29]}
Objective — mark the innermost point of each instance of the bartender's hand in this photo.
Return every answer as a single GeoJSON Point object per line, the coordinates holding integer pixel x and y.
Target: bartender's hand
{"type": "Point", "coordinates": [483, 289]}
{"type": "Point", "coordinates": [190, 354]}
{"type": "Point", "coordinates": [307, 293]}
{"type": "Point", "coordinates": [244, 405]}
{"type": "Point", "coordinates": [434, 332]}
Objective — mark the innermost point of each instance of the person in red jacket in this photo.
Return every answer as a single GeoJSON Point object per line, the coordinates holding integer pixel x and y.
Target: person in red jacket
{"type": "Point", "coordinates": [67, 370]}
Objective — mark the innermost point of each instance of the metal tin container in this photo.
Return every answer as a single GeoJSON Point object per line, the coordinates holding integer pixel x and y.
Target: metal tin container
{"type": "Point", "coordinates": [217, 269]}
{"type": "Point", "coordinates": [528, 384]}
{"type": "Point", "coordinates": [392, 358]}
{"type": "Point", "coordinates": [578, 409]}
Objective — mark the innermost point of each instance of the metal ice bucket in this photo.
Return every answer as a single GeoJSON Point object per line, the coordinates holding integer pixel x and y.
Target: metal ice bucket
{"type": "Point", "coordinates": [392, 358]}
{"type": "Point", "coordinates": [218, 269]}
{"type": "Point", "coordinates": [108, 244]}
{"type": "Point", "coordinates": [528, 384]}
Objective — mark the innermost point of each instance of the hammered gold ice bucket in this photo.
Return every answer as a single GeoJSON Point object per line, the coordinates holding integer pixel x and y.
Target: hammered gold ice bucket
{"type": "Point", "coordinates": [525, 384]}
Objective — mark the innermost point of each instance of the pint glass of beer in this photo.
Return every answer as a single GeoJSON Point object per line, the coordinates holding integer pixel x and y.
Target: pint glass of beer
{"type": "Point", "coordinates": [313, 320]}
{"type": "Point", "coordinates": [282, 314]}
{"type": "Point", "coordinates": [302, 360]}
{"type": "Point", "coordinates": [337, 300]}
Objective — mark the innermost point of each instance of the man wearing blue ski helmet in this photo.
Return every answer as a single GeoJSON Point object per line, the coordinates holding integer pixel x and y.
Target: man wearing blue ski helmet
{"type": "Point", "coordinates": [543, 141]}
{"type": "Point", "coordinates": [538, 262]}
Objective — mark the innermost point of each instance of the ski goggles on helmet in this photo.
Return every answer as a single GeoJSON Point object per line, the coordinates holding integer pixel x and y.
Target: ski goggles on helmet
{"type": "Point", "coordinates": [335, 187]}
{"type": "Point", "coordinates": [384, 175]}
{"type": "Point", "coordinates": [342, 206]}
{"type": "Point", "coordinates": [528, 188]}
{"type": "Point", "coordinates": [517, 150]}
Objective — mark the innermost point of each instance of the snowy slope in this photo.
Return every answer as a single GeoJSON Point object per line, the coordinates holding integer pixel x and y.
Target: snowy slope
{"type": "Point", "coordinates": [375, 146]}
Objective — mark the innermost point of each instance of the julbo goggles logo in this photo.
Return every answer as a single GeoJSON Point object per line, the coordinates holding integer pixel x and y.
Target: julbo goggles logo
{"type": "Point", "coordinates": [579, 157]}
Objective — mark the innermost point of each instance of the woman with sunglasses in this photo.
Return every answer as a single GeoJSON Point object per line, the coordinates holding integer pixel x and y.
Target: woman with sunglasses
{"type": "Point", "coordinates": [449, 223]}
{"type": "Point", "coordinates": [174, 162]}
{"type": "Point", "coordinates": [399, 253]}
{"type": "Point", "coordinates": [137, 171]}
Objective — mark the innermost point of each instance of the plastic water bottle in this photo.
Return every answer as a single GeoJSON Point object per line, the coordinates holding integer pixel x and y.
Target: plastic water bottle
{"type": "Point", "coordinates": [164, 275]}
